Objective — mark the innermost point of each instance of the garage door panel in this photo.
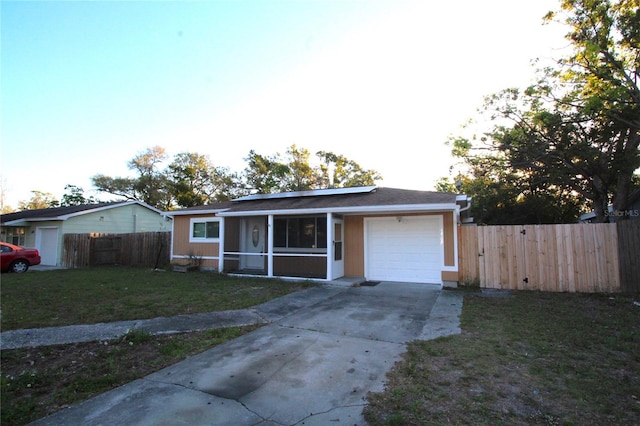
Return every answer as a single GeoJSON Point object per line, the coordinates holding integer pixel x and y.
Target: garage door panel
{"type": "Point", "coordinates": [407, 250]}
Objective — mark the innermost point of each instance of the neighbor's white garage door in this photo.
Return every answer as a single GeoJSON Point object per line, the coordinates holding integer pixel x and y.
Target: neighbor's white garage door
{"type": "Point", "coordinates": [407, 248]}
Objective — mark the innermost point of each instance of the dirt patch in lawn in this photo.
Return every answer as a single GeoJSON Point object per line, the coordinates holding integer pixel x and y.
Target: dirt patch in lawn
{"type": "Point", "coordinates": [36, 382]}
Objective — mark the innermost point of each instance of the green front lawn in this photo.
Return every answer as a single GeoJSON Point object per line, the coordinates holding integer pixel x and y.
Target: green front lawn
{"type": "Point", "coordinates": [39, 381]}
{"type": "Point", "coordinates": [87, 296]}
{"type": "Point", "coordinates": [527, 358]}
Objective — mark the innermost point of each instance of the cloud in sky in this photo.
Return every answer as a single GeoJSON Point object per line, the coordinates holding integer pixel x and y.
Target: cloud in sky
{"type": "Point", "coordinates": [87, 85]}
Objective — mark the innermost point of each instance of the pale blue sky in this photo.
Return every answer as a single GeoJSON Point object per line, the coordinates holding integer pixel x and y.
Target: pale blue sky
{"type": "Point", "coordinates": [88, 85]}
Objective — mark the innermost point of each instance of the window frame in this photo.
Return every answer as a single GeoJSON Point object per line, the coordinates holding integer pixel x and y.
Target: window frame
{"type": "Point", "coordinates": [15, 235]}
{"type": "Point", "coordinates": [204, 220]}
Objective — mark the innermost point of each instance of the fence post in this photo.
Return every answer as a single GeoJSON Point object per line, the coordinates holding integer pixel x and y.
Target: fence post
{"type": "Point", "coordinates": [628, 254]}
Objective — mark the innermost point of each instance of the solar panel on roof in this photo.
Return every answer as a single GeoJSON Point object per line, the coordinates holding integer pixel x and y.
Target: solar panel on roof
{"type": "Point", "coordinates": [312, 193]}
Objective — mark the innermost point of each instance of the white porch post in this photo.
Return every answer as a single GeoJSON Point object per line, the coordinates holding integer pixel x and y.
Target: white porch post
{"type": "Point", "coordinates": [330, 246]}
{"type": "Point", "coordinates": [270, 246]}
{"type": "Point", "coordinates": [173, 233]}
{"type": "Point", "coordinates": [221, 246]}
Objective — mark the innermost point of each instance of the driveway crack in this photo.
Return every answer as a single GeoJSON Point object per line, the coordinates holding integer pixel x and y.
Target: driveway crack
{"type": "Point", "coordinates": [265, 380]}
{"type": "Point", "coordinates": [372, 339]}
{"type": "Point", "coordinates": [328, 411]}
{"type": "Point", "coordinates": [190, 388]}
{"type": "Point", "coordinates": [262, 318]}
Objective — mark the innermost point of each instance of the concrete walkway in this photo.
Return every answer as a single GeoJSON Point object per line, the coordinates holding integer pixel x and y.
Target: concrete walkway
{"type": "Point", "coordinates": [261, 314]}
{"type": "Point", "coordinates": [323, 351]}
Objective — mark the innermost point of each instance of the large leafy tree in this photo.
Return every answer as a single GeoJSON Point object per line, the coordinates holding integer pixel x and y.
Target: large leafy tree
{"type": "Point", "coordinates": [150, 185]}
{"type": "Point", "coordinates": [301, 174]}
{"type": "Point", "coordinates": [74, 196]}
{"type": "Point", "coordinates": [189, 180]}
{"type": "Point", "coordinates": [39, 200]}
{"type": "Point", "coordinates": [501, 196]}
{"type": "Point", "coordinates": [575, 132]}
{"type": "Point", "coordinates": [196, 181]}
{"type": "Point", "coordinates": [264, 174]}
{"type": "Point", "coordinates": [295, 172]}
{"type": "Point", "coordinates": [601, 107]}
{"type": "Point", "coordinates": [337, 171]}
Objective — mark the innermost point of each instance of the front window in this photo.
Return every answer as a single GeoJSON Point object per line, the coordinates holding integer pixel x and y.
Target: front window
{"type": "Point", "coordinates": [205, 230]}
{"type": "Point", "coordinates": [14, 236]}
{"type": "Point", "coordinates": [300, 232]}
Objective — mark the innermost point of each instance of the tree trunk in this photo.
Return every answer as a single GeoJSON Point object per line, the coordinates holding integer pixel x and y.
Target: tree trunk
{"type": "Point", "coordinates": [600, 200]}
{"type": "Point", "coordinates": [625, 176]}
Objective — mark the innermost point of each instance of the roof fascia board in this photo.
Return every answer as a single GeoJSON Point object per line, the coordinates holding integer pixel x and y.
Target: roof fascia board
{"type": "Point", "coordinates": [26, 222]}
{"type": "Point", "coordinates": [44, 219]}
{"type": "Point", "coordinates": [17, 222]}
{"type": "Point", "coordinates": [411, 208]}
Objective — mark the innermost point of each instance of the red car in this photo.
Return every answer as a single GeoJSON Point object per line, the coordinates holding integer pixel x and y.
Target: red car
{"type": "Point", "coordinates": [18, 259]}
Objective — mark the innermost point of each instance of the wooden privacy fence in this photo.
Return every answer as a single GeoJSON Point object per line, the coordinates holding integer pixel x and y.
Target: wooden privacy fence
{"type": "Point", "coordinates": [573, 257]}
{"type": "Point", "coordinates": [149, 249]}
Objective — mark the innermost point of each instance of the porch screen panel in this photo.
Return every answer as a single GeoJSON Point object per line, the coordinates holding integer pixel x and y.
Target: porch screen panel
{"type": "Point", "coordinates": [280, 233]}
{"type": "Point", "coordinates": [300, 232]}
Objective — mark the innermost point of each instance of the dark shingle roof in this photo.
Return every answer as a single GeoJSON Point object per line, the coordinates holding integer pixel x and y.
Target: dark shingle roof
{"type": "Point", "coordinates": [53, 213]}
{"type": "Point", "coordinates": [377, 198]}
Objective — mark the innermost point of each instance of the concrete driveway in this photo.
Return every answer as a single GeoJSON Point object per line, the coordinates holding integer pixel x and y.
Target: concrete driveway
{"type": "Point", "coordinates": [314, 364]}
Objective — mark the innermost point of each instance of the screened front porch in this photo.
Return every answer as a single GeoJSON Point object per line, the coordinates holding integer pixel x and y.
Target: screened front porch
{"type": "Point", "coordinates": [296, 246]}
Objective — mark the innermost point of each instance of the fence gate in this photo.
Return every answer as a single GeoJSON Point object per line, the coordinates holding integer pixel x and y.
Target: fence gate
{"type": "Point", "coordinates": [573, 257]}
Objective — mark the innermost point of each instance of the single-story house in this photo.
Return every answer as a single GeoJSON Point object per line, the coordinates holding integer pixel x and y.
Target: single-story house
{"type": "Point", "coordinates": [44, 228]}
{"type": "Point", "coordinates": [365, 232]}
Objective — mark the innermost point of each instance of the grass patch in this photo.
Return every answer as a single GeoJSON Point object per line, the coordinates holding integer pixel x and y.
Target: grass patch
{"type": "Point", "coordinates": [36, 382]}
{"type": "Point", "coordinates": [530, 358]}
{"type": "Point", "coordinates": [93, 295]}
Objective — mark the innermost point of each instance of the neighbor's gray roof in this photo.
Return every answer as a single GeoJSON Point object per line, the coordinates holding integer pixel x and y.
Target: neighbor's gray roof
{"type": "Point", "coordinates": [62, 213]}
{"type": "Point", "coordinates": [377, 198]}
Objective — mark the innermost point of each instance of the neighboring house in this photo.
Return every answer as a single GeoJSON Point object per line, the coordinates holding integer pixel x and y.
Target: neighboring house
{"type": "Point", "coordinates": [44, 228]}
{"type": "Point", "coordinates": [633, 212]}
{"type": "Point", "coordinates": [366, 232]}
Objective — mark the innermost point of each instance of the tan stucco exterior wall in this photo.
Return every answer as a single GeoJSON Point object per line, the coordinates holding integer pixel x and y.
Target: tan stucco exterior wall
{"type": "Point", "coordinates": [448, 225]}
{"type": "Point", "coordinates": [182, 248]}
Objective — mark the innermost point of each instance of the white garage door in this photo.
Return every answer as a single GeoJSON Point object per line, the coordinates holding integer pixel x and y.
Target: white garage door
{"type": "Point", "coordinates": [408, 249]}
{"type": "Point", "coordinates": [47, 245]}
